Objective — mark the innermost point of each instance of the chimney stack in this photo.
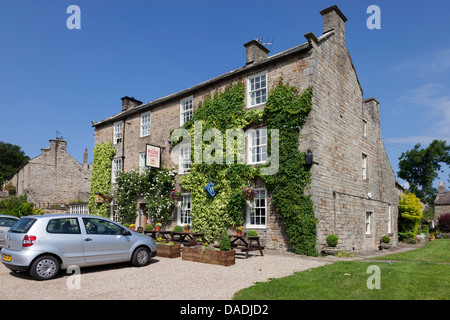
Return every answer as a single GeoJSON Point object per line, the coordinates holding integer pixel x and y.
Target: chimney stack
{"type": "Point", "coordinates": [333, 19]}
{"type": "Point", "coordinates": [441, 188]}
{"type": "Point", "coordinates": [255, 52]}
{"type": "Point", "coordinates": [85, 157]}
{"type": "Point", "coordinates": [128, 103]}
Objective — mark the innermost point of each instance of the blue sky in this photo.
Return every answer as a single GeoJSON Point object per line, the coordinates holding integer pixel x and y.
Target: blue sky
{"type": "Point", "coordinates": [56, 79]}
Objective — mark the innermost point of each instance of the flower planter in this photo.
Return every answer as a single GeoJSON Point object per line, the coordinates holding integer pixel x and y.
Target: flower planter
{"type": "Point", "coordinates": [223, 258]}
{"type": "Point", "coordinates": [385, 246]}
{"type": "Point", "coordinates": [168, 251]}
{"type": "Point", "coordinates": [332, 251]}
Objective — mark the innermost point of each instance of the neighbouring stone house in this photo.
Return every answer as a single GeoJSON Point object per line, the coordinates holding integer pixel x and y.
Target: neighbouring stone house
{"type": "Point", "coordinates": [54, 178]}
{"type": "Point", "coordinates": [441, 203]}
{"type": "Point", "coordinates": [353, 186]}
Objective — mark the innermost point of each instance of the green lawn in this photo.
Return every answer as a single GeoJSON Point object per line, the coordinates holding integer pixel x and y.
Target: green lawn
{"type": "Point", "coordinates": [347, 280]}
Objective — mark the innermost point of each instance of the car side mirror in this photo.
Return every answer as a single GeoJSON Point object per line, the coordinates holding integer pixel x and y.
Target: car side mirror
{"type": "Point", "coordinates": [126, 232]}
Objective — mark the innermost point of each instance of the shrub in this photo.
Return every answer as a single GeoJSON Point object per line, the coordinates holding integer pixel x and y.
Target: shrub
{"type": "Point", "coordinates": [252, 233]}
{"type": "Point", "coordinates": [225, 244]}
{"type": "Point", "coordinates": [148, 227]}
{"type": "Point", "coordinates": [444, 222]}
{"type": "Point", "coordinates": [385, 239]}
{"type": "Point", "coordinates": [332, 240]}
{"type": "Point", "coordinates": [178, 228]}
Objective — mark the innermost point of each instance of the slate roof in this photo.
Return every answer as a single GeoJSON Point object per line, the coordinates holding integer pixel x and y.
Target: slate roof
{"type": "Point", "coordinates": [443, 199]}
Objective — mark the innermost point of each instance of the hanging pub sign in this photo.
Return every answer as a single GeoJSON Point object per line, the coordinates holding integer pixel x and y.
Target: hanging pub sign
{"type": "Point", "coordinates": [210, 189]}
{"type": "Point", "coordinates": [152, 156]}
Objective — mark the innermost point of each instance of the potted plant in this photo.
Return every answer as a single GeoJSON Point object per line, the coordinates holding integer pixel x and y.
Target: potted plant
{"type": "Point", "coordinates": [187, 227]}
{"type": "Point", "coordinates": [148, 227]}
{"type": "Point", "coordinates": [157, 226]}
{"type": "Point", "coordinates": [107, 198]}
{"type": "Point", "coordinates": [332, 241]}
{"type": "Point", "coordinates": [248, 193]}
{"type": "Point", "coordinates": [385, 242]}
{"type": "Point", "coordinates": [431, 236]}
{"type": "Point", "coordinates": [239, 230]}
{"type": "Point", "coordinates": [175, 195]}
{"type": "Point", "coordinates": [10, 188]}
{"type": "Point", "coordinates": [131, 227]}
{"type": "Point", "coordinates": [99, 197]}
{"type": "Point", "coordinates": [223, 255]}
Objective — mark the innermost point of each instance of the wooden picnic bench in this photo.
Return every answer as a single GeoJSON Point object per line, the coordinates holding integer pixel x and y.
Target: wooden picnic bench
{"type": "Point", "coordinates": [176, 237]}
{"type": "Point", "coordinates": [245, 244]}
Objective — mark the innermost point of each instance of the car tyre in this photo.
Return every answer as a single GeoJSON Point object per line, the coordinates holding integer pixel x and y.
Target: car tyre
{"type": "Point", "coordinates": [45, 268]}
{"type": "Point", "coordinates": [141, 257]}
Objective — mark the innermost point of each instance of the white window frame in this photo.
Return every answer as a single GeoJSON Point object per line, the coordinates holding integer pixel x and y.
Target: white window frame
{"type": "Point", "coordinates": [257, 146]}
{"type": "Point", "coordinates": [253, 206]}
{"type": "Point", "coordinates": [251, 100]}
{"type": "Point", "coordinates": [364, 167]}
{"type": "Point", "coordinates": [79, 209]}
{"type": "Point", "coordinates": [184, 204]}
{"type": "Point", "coordinates": [186, 110]}
{"type": "Point", "coordinates": [368, 222]}
{"type": "Point", "coordinates": [145, 124]}
{"type": "Point", "coordinates": [184, 159]}
{"type": "Point", "coordinates": [142, 166]}
{"type": "Point", "coordinates": [118, 132]}
{"type": "Point", "coordinates": [389, 219]}
{"type": "Point", "coordinates": [364, 128]}
{"type": "Point", "coordinates": [116, 169]}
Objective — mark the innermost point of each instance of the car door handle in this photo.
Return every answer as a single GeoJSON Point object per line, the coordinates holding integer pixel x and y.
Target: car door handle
{"type": "Point", "coordinates": [88, 239]}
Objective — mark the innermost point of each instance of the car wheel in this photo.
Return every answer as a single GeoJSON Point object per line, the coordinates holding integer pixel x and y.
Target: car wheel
{"type": "Point", "coordinates": [141, 257]}
{"type": "Point", "coordinates": [44, 268]}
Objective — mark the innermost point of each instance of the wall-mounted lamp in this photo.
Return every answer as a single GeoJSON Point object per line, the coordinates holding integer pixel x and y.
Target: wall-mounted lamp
{"type": "Point", "coordinates": [309, 158]}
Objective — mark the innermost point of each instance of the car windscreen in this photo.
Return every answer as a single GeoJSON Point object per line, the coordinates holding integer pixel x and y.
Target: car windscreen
{"type": "Point", "coordinates": [23, 225]}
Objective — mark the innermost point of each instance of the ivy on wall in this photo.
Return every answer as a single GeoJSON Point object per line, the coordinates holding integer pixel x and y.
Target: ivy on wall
{"type": "Point", "coordinates": [101, 177]}
{"type": "Point", "coordinates": [153, 184]}
{"type": "Point", "coordinates": [286, 111]}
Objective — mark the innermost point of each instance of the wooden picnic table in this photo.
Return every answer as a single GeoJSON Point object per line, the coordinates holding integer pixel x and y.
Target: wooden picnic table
{"type": "Point", "coordinates": [245, 243]}
{"type": "Point", "coordinates": [176, 237]}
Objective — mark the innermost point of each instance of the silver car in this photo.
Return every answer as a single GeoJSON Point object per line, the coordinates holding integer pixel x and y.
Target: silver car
{"type": "Point", "coordinates": [45, 244]}
{"type": "Point", "coordinates": [6, 222]}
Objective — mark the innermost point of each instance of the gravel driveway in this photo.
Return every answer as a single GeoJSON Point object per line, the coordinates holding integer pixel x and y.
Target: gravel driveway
{"type": "Point", "coordinates": [162, 279]}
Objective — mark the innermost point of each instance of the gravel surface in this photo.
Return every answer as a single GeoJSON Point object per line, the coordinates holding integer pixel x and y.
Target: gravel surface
{"type": "Point", "coordinates": [162, 279]}
{"type": "Point", "coordinates": [166, 279]}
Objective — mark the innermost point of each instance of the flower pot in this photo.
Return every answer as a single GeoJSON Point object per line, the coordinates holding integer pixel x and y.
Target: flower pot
{"type": "Point", "coordinates": [239, 233]}
{"type": "Point", "coordinates": [332, 251]}
{"type": "Point", "coordinates": [186, 230]}
{"type": "Point", "coordinates": [385, 245]}
{"type": "Point", "coordinates": [157, 228]}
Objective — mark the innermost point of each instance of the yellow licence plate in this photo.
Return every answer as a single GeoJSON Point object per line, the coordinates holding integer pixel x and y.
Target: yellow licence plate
{"type": "Point", "coordinates": [7, 258]}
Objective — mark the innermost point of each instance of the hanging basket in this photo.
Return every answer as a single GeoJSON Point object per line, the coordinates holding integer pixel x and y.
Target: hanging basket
{"type": "Point", "coordinates": [248, 193]}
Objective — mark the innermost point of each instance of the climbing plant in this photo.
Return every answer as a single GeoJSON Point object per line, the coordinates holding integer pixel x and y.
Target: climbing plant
{"type": "Point", "coordinates": [101, 177]}
{"type": "Point", "coordinates": [221, 111]}
{"type": "Point", "coordinates": [153, 184]}
{"type": "Point", "coordinates": [286, 111]}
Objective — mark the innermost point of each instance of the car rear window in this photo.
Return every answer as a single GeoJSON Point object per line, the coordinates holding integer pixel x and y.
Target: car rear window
{"type": "Point", "coordinates": [23, 225]}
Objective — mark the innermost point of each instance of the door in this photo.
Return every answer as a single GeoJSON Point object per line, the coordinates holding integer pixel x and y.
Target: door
{"type": "Point", "coordinates": [104, 242]}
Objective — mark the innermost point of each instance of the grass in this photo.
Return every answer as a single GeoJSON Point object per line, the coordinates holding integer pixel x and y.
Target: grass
{"type": "Point", "coordinates": [424, 275]}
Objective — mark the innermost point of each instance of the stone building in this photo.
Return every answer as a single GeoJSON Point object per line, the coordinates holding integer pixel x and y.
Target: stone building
{"type": "Point", "coordinates": [54, 178]}
{"type": "Point", "coordinates": [353, 185]}
{"type": "Point", "coordinates": [442, 202]}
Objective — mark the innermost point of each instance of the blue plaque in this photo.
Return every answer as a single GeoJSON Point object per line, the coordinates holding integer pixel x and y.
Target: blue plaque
{"type": "Point", "coordinates": [210, 189]}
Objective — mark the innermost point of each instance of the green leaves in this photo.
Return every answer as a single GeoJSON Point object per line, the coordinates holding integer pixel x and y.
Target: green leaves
{"type": "Point", "coordinates": [101, 177]}
{"type": "Point", "coordinates": [288, 111]}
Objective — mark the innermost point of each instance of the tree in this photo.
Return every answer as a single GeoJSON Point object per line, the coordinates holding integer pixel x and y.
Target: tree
{"type": "Point", "coordinates": [11, 158]}
{"type": "Point", "coordinates": [420, 167]}
{"type": "Point", "coordinates": [410, 214]}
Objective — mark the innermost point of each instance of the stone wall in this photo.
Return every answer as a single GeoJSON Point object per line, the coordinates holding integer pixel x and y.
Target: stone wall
{"type": "Point", "coordinates": [333, 132]}
{"type": "Point", "coordinates": [54, 177]}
